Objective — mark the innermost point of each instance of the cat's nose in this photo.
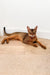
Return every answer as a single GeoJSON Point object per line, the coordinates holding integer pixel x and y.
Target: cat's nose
{"type": "Point", "coordinates": [32, 33]}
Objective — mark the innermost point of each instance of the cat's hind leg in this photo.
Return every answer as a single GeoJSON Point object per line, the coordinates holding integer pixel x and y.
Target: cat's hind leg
{"type": "Point", "coordinates": [5, 40]}
{"type": "Point", "coordinates": [8, 38]}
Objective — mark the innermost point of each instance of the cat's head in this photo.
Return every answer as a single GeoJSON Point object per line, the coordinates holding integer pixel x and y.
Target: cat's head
{"type": "Point", "coordinates": [32, 32]}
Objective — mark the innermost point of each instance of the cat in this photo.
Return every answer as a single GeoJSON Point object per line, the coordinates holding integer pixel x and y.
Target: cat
{"type": "Point", "coordinates": [27, 38]}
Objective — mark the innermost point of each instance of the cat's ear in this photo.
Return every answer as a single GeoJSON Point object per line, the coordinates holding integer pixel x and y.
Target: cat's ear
{"type": "Point", "coordinates": [36, 28]}
{"type": "Point", "coordinates": [28, 28]}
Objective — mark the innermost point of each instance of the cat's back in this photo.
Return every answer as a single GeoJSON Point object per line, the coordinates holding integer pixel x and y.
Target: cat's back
{"type": "Point", "coordinates": [22, 34]}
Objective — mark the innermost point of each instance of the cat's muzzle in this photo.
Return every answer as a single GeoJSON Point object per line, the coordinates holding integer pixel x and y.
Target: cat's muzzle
{"type": "Point", "coordinates": [32, 35]}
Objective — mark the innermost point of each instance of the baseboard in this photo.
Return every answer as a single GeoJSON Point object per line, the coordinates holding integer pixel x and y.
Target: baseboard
{"type": "Point", "coordinates": [43, 34]}
{"type": "Point", "coordinates": [40, 34]}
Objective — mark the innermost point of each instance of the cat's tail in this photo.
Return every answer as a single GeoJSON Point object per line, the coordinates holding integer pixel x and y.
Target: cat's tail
{"type": "Point", "coordinates": [41, 45]}
{"type": "Point", "coordinates": [5, 33]}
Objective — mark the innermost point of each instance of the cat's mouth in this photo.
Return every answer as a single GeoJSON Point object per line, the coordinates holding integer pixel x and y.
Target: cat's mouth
{"type": "Point", "coordinates": [32, 35]}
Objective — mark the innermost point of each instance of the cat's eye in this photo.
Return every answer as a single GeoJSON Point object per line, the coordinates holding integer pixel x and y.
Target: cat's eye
{"type": "Point", "coordinates": [30, 32]}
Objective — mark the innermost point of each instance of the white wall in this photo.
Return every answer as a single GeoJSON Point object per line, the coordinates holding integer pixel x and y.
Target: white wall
{"type": "Point", "coordinates": [20, 13]}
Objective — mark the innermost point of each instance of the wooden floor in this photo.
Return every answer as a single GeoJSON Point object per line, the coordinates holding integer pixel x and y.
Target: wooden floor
{"type": "Point", "coordinates": [17, 58]}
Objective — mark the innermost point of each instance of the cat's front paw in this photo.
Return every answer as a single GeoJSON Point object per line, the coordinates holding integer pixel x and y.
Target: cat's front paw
{"type": "Point", "coordinates": [44, 47]}
{"type": "Point", "coordinates": [35, 45]}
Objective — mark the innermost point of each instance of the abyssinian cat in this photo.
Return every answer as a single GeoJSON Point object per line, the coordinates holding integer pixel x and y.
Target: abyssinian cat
{"type": "Point", "coordinates": [27, 38]}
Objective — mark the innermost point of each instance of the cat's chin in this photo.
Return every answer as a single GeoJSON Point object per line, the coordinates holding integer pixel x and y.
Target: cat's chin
{"type": "Point", "coordinates": [32, 35]}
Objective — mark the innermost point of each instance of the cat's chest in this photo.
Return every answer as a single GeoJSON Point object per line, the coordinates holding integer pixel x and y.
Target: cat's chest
{"type": "Point", "coordinates": [31, 39]}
